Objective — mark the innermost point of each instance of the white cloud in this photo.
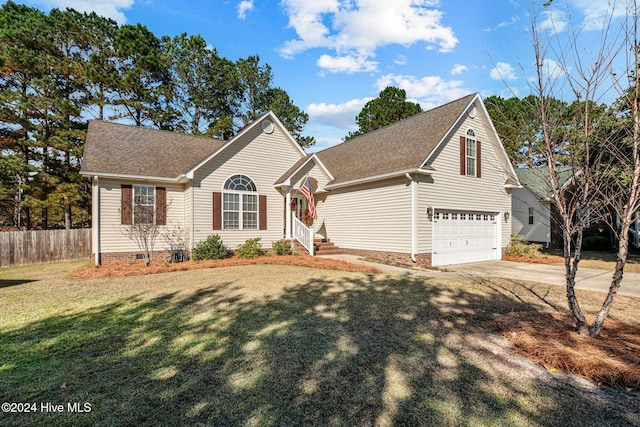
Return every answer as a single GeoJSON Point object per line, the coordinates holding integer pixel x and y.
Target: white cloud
{"type": "Point", "coordinates": [108, 8]}
{"type": "Point", "coordinates": [243, 7]}
{"type": "Point", "coordinates": [553, 20]}
{"type": "Point", "coordinates": [341, 116]}
{"type": "Point", "coordinates": [400, 60]}
{"type": "Point", "coordinates": [346, 64]}
{"type": "Point", "coordinates": [552, 69]}
{"type": "Point", "coordinates": [429, 91]}
{"type": "Point", "coordinates": [503, 71]}
{"type": "Point", "coordinates": [354, 27]}
{"type": "Point", "coordinates": [597, 12]}
{"type": "Point", "coordinates": [514, 19]}
{"type": "Point", "coordinates": [458, 69]}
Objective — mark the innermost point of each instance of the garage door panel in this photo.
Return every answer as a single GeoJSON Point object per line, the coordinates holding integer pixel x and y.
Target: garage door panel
{"type": "Point", "coordinates": [461, 237]}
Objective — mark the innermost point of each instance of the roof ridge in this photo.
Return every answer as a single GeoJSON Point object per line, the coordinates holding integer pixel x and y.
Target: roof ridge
{"type": "Point", "coordinates": [400, 121]}
{"type": "Point", "coordinates": [144, 128]}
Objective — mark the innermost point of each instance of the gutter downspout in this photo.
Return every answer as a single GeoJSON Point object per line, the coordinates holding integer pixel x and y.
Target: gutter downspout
{"type": "Point", "coordinates": [192, 219]}
{"type": "Point", "coordinates": [95, 220]}
{"type": "Point", "coordinates": [413, 218]}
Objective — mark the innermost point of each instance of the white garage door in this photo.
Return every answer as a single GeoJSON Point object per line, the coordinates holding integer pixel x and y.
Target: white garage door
{"type": "Point", "coordinates": [460, 237]}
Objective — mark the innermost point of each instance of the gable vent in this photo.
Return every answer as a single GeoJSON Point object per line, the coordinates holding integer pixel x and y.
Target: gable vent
{"type": "Point", "coordinates": [267, 126]}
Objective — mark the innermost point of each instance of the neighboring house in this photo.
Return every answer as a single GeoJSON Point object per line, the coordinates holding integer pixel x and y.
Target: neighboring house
{"type": "Point", "coordinates": [531, 206]}
{"type": "Point", "coordinates": [535, 218]}
{"type": "Point", "coordinates": [434, 189]}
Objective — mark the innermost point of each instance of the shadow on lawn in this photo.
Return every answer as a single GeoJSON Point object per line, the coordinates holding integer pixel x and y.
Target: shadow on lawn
{"type": "Point", "coordinates": [367, 350]}
{"type": "Point", "coordinates": [5, 283]}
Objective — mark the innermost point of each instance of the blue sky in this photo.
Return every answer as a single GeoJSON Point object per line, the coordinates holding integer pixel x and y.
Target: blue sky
{"type": "Point", "coordinates": [332, 56]}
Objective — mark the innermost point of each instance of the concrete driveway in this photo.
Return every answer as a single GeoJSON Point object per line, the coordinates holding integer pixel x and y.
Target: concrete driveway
{"type": "Point", "coordinates": [595, 280]}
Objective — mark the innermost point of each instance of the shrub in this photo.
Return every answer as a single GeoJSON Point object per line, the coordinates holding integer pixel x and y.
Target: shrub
{"type": "Point", "coordinates": [252, 248]}
{"type": "Point", "coordinates": [212, 248]}
{"type": "Point", "coordinates": [519, 247]}
{"type": "Point", "coordinates": [281, 247]}
{"type": "Point", "coordinates": [596, 243]}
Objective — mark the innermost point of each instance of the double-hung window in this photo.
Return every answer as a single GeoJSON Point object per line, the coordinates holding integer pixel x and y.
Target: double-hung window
{"type": "Point", "coordinates": [470, 153]}
{"type": "Point", "coordinates": [240, 204]}
{"type": "Point", "coordinates": [530, 216]}
{"type": "Point", "coordinates": [144, 203]}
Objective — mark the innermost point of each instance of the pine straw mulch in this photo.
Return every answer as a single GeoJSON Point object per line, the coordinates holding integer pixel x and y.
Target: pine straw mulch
{"type": "Point", "coordinates": [549, 339]}
{"type": "Point", "coordinates": [138, 268]}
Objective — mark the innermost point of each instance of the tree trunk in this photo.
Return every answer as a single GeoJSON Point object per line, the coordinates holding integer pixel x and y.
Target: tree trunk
{"type": "Point", "coordinates": [571, 269]}
{"type": "Point", "coordinates": [67, 217]}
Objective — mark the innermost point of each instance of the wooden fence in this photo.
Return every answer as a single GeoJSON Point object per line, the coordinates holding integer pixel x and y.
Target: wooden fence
{"type": "Point", "coordinates": [34, 247]}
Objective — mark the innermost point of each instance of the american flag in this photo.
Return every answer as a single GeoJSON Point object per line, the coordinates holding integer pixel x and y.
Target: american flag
{"type": "Point", "coordinates": [307, 192]}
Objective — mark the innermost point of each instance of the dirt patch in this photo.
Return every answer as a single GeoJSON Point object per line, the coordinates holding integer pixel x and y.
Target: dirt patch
{"type": "Point", "coordinates": [612, 358]}
{"type": "Point", "coordinates": [138, 268]}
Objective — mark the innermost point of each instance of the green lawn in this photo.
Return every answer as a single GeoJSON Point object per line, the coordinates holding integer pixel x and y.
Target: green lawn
{"type": "Point", "coordinates": [276, 345]}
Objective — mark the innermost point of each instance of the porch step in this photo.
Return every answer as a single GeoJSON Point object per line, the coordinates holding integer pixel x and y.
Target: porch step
{"type": "Point", "coordinates": [320, 247]}
{"type": "Point", "coordinates": [325, 247]}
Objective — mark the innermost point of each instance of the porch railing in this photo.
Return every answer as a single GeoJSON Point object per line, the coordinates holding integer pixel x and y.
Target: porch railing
{"type": "Point", "coordinates": [303, 234]}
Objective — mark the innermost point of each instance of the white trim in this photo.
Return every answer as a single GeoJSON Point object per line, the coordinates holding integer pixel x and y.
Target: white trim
{"type": "Point", "coordinates": [245, 130]}
{"type": "Point", "coordinates": [287, 225]}
{"type": "Point", "coordinates": [178, 179]}
{"type": "Point", "coordinates": [379, 177]}
{"type": "Point", "coordinates": [446, 138]}
{"type": "Point", "coordinates": [241, 211]}
{"type": "Point", "coordinates": [193, 218]}
{"type": "Point", "coordinates": [414, 218]}
{"type": "Point", "coordinates": [287, 182]}
{"type": "Point", "coordinates": [95, 219]}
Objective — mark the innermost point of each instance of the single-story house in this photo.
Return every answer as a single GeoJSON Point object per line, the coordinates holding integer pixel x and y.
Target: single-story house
{"type": "Point", "coordinates": [433, 189]}
{"type": "Point", "coordinates": [531, 206]}
{"type": "Point", "coordinates": [537, 220]}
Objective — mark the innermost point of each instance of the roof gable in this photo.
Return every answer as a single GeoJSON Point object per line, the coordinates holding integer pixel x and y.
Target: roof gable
{"type": "Point", "coordinates": [122, 150]}
{"type": "Point", "coordinates": [259, 121]}
{"type": "Point", "coordinates": [401, 146]}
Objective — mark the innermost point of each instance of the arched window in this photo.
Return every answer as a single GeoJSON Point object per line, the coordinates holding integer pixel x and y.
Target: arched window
{"type": "Point", "coordinates": [470, 153]}
{"type": "Point", "coordinates": [240, 204]}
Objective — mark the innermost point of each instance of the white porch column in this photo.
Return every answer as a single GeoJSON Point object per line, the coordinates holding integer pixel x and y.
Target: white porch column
{"type": "Point", "coordinates": [287, 216]}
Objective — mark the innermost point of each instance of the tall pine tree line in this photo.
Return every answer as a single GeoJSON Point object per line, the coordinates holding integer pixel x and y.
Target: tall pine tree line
{"type": "Point", "coordinates": [61, 69]}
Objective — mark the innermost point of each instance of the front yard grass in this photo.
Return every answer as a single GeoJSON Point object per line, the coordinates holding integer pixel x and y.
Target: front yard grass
{"type": "Point", "coordinates": [283, 345]}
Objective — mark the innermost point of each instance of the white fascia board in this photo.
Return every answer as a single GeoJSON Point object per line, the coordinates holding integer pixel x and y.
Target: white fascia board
{"type": "Point", "coordinates": [446, 137]}
{"type": "Point", "coordinates": [246, 129]}
{"type": "Point", "coordinates": [315, 158]}
{"type": "Point", "coordinates": [178, 179]}
{"type": "Point", "coordinates": [324, 168]}
{"type": "Point", "coordinates": [419, 171]}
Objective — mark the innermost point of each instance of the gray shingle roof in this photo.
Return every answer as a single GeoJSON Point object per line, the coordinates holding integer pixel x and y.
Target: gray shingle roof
{"type": "Point", "coordinates": [401, 146]}
{"type": "Point", "coordinates": [113, 148]}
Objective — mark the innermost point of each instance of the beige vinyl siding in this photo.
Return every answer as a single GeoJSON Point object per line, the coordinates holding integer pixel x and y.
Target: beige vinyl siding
{"type": "Point", "coordinates": [540, 230]}
{"type": "Point", "coordinates": [374, 217]}
{"type": "Point", "coordinates": [112, 238]}
{"type": "Point", "coordinates": [316, 174]}
{"type": "Point", "coordinates": [447, 189]}
{"type": "Point", "coordinates": [260, 156]}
